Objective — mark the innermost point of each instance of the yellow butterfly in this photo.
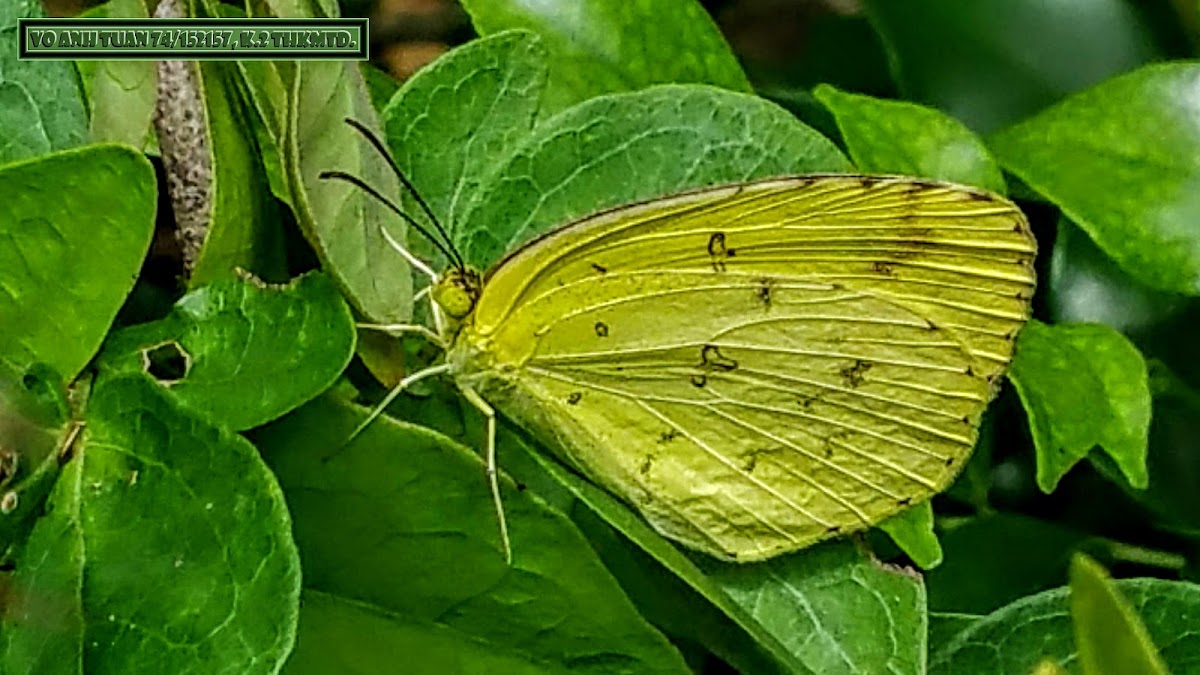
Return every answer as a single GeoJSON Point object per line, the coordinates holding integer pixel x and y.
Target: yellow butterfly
{"type": "Point", "coordinates": [753, 367]}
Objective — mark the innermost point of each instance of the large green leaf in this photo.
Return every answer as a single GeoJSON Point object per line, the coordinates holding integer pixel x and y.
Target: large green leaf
{"type": "Point", "coordinates": [341, 222]}
{"type": "Point", "coordinates": [1014, 638]}
{"type": "Point", "coordinates": [165, 548]}
{"type": "Point", "coordinates": [600, 47]}
{"type": "Point", "coordinates": [1133, 192]}
{"type": "Point", "coordinates": [41, 102]}
{"type": "Point", "coordinates": [905, 138]}
{"type": "Point", "coordinates": [400, 523]}
{"type": "Point", "coordinates": [627, 147]}
{"type": "Point", "coordinates": [74, 228]}
{"type": "Point", "coordinates": [452, 125]}
{"type": "Point", "coordinates": [992, 62]}
{"type": "Point", "coordinates": [229, 339]}
{"type": "Point", "coordinates": [340, 635]}
{"type": "Point", "coordinates": [1083, 386]}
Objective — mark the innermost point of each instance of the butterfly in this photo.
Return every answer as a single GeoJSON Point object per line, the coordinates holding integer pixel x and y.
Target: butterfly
{"type": "Point", "coordinates": [753, 367]}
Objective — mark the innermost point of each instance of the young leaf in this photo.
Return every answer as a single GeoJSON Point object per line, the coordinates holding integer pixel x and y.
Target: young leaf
{"type": "Point", "coordinates": [74, 227]}
{"type": "Point", "coordinates": [1083, 386]}
{"type": "Point", "coordinates": [912, 530]}
{"type": "Point", "coordinates": [1109, 635]}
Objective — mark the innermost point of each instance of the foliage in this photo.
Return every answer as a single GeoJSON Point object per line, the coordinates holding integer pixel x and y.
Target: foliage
{"type": "Point", "coordinates": [172, 458]}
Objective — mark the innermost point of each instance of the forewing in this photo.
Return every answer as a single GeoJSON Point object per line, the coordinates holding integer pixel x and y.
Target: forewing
{"type": "Point", "coordinates": [761, 367]}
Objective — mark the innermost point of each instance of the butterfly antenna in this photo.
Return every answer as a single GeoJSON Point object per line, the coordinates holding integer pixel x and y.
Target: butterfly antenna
{"type": "Point", "coordinates": [456, 258]}
{"type": "Point", "coordinates": [360, 184]}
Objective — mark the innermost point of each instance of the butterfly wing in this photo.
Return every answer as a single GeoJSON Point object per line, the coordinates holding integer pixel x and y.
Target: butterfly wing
{"type": "Point", "coordinates": [759, 367]}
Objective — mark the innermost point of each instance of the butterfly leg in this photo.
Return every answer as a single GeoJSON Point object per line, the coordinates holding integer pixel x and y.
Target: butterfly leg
{"type": "Point", "coordinates": [387, 400]}
{"type": "Point", "coordinates": [490, 457]}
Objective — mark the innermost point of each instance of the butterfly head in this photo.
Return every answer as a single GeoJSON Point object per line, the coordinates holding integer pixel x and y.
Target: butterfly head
{"type": "Point", "coordinates": [457, 290]}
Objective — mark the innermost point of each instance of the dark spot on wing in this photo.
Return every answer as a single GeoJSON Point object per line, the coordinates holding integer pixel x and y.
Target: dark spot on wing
{"type": "Point", "coordinates": [751, 462]}
{"type": "Point", "coordinates": [599, 268]}
{"type": "Point", "coordinates": [904, 502]}
{"type": "Point", "coordinates": [718, 252]}
{"type": "Point", "coordinates": [833, 529]}
{"type": "Point", "coordinates": [647, 464]}
{"type": "Point", "coordinates": [805, 400]}
{"type": "Point", "coordinates": [978, 196]}
{"type": "Point", "coordinates": [668, 436]}
{"type": "Point", "coordinates": [854, 374]}
{"type": "Point", "coordinates": [601, 329]}
{"type": "Point", "coordinates": [949, 461]}
{"type": "Point", "coordinates": [882, 268]}
{"type": "Point", "coordinates": [699, 380]}
{"type": "Point", "coordinates": [763, 292]}
{"type": "Point", "coordinates": [521, 487]}
{"type": "Point", "coordinates": [868, 181]}
{"type": "Point", "coordinates": [574, 398]}
{"type": "Point", "coordinates": [711, 359]}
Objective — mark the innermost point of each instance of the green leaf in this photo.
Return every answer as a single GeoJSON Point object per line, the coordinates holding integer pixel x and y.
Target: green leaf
{"type": "Point", "coordinates": [339, 635]}
{"type": "Point", "coordinates": [342, 223]}
{"type": "Point", "coordinates": [912, 530]}
{"type": "Point", "coordinates": [599, 47]}
{"type": "Point", "coordinates": [1083, 386]}
{"type": "Point", "coordinates": [222, 342]}
{"type": "Point", "coordinates": [454, 122]}
{"type": "Point", "coordinates": [627, 147]}
{"type": "Point", "coordinates": [945, 626]}
{"type": "Point", "coordinates": [905, 138]}
{"type": "Point", "coordinates": [1016, 637]}
{"type": "Point", "coordinates": [992, 62]}
{"type": "Point", "coordinates": [861, 615]}
{"type": "Point", "coordinates": [401, 522]}
{"type": "Point", "coordinates": [263, 89]}
{"type": "Point", "coordinates": [1133, 192]}
{"type": "Point", "coordinates": [120, 94]}
{"type": "Point", "coordinates": [244, 230]}
{"type": "Point", "coordinates": [835, 609]}
{"type": "Point", "coordinates": [165, 548]}
{"type": "Point", "coordinates": [74, 227]}
{"type": "Point", "coordinates": [41, 103]}
{"type": "Point", "coordinates": [1109, 635]}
